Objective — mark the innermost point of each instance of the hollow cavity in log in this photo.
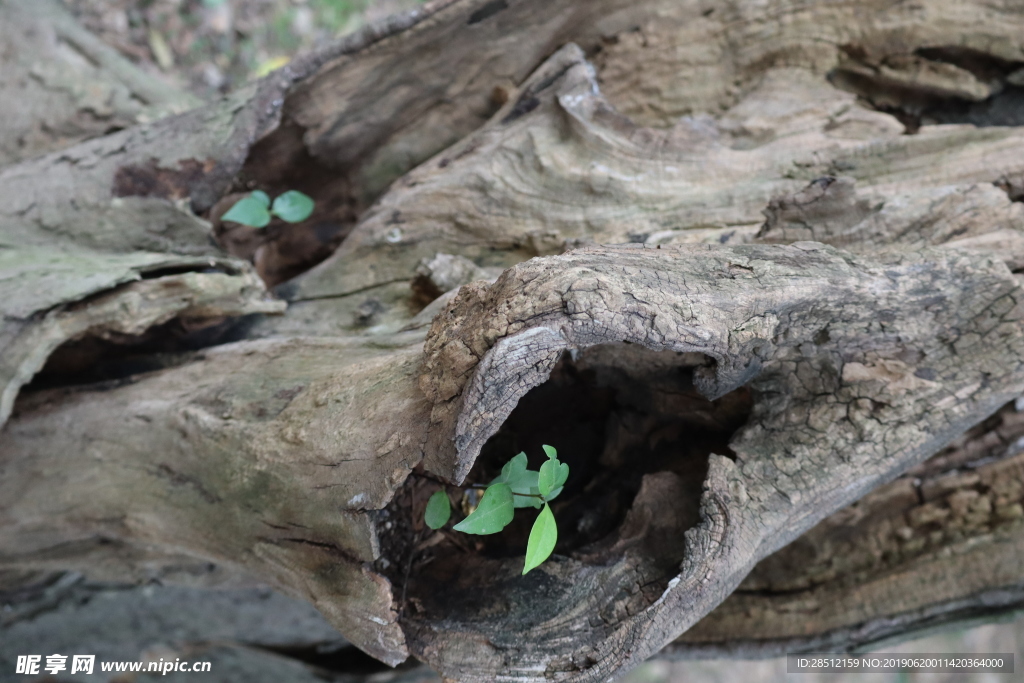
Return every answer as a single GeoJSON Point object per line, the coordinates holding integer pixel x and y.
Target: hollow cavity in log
{"type": "Point", "coordinates": [637, 436]}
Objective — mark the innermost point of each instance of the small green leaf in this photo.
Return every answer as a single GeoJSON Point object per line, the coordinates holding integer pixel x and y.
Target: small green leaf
{"type": "Point", "coordinates": [262, 197]}
{"type": "Point", "coordinates": [563, 475]}
{"type": "Point", "coordinates": [513, 470]}
{"type": "Point", "coordinates": [248, 211]}
{"type": "Point", "coordinates": [547, 476]}
{"type": "Point", "coordinates": [550, 450]}
{"type": "Point", "coordinates": [293, 206]}
{"type": "Point", "coordinates": [553, 475]}
{"type": "Point", "coordinates": [493, 513]}
{"type": "Point", "coordinates": [543, 537]}
{"type": "Point", "coordinates": [439, 509]}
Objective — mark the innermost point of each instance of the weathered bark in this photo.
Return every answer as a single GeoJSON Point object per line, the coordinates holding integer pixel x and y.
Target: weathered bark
{"type": "Point", "coordinates": [285, 502]}
{"type": "Point", "coordinates": [952, 525]}
{"type": "Point", "coordinates": [832, 403]}
{"type": "Point", "coordinates": [721, 387]}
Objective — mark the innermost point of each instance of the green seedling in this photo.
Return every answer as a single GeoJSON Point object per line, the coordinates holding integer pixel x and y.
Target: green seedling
{"type": "Point", "coordinates": [516, 487]}
{"type": "Point", "coordinates": [256, 210]}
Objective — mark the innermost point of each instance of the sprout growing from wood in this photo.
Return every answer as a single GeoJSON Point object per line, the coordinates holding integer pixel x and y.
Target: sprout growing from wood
{"type": "Point", "coordinates": [256, 209]}
{"type": "Point", "coordinates": [515, 487]}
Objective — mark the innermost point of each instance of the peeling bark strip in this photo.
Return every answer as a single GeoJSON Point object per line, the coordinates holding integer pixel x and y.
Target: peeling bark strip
{"type": "Point", "coordinates": [835, 347]}
{"type": "Point", "coordinates": [128, 309]}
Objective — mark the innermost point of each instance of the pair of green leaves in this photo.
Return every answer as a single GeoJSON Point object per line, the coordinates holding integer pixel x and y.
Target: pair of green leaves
{"type": "Point", "coordinates": [516, 487]}
{"type": "Point", "coordinates": [256, 209]}
{"type": "Point", "coordinates": [533, 488]}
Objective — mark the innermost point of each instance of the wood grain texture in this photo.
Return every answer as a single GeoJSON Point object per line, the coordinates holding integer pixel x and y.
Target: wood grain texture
{"type": "Point", "coordinates": [692, 182]}
{"type": "Point", "coordinates": [256, 457]}
{"type": "Point", "coordinates": [953, 524]}
{"type": "Point", "coordinates": [835, 414]}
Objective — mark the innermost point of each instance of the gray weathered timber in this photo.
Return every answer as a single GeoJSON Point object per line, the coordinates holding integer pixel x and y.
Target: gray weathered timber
{"type": "Point", "coordinates": [224, 460]}
{"type": "Point", "coordinates": [953, 523]}
{"type": "Point", "coordinates": [695, 182]}
{"type": "Point", "coordinates": [847, 394]}
{"type": "Point", "coordinates": [247, 634]}
{"type": "Point", "coordinates": [38, 320]}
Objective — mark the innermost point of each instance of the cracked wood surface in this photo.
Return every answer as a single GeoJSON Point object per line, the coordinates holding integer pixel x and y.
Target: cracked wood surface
{"type": "Point", "coordinates": [86, 219]}
{"type": "Point", "coordinates": [952, 523]}
{"type": "Point", "coordinates": [499, 196]}
{"type": "Point", "coordinates": [847, 394]}
{"type": "Point", "coordinates": [122, 303]}
{"type": "Point", "coordinates": [257, 457]}
{"type": "Point", "coordinates": [283, 459]}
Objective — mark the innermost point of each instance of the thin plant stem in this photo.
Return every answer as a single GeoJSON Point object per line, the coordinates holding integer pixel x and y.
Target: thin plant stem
{"type": "Point", "coordinates": [525, 495]}
{"type": "Point", "coordinates": [471, 486]}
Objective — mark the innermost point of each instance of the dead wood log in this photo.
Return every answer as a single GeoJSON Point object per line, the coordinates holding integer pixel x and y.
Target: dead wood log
{"type": "Point", "coordinates": [952, 524]}
{"type": "Point", "coordinates": [723, 386]}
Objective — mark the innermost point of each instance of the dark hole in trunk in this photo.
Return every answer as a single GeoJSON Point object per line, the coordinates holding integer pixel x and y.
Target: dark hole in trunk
{"type": "Point", "coordinates": [636, 435]}
{"type": "Point", "coordinates": [615, 414]}
{"type": "Point", "coordinates": [918, 104]}
{"type": "Point", "coordinates": [115, 357]}
{"type": "Point", "coordinates": [276, 164]}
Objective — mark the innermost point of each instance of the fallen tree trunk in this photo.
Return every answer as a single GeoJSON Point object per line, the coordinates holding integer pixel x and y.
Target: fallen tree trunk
{"type": "Point", "coordinates": [951, 524]}
{"type": "Point", "coordinates": [534, 248]}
